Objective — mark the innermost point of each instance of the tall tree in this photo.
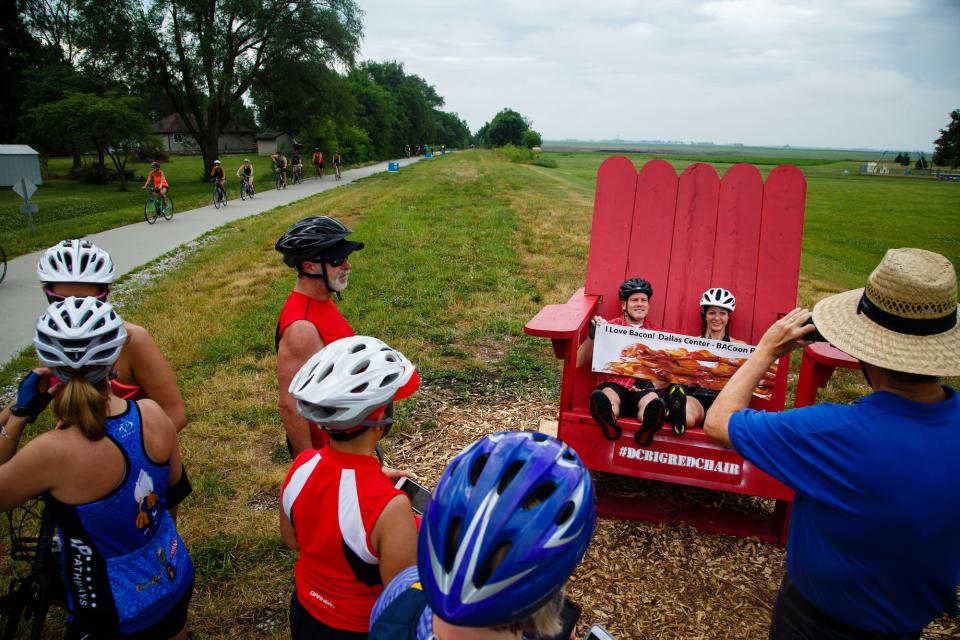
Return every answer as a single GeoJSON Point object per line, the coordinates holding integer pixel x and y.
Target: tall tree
{"type": "Point", "coordinates": [17, 64]}
{"type": "Point", "coordinates": [206, 54]}
{"type": "Point", "coordinates": [946, 149]}
{"type": "Point", "coordinates": [507, 127]}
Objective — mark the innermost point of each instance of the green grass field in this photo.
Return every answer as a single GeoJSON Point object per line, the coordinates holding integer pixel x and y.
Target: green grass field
{"type": "Point", "coordinates": [461, 252]}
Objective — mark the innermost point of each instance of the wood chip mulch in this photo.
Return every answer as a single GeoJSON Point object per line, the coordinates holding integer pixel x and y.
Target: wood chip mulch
{"type": "Point", "coordinates": [640, 580]}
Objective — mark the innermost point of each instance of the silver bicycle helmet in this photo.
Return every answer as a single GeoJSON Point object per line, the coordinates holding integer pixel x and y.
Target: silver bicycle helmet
{"type": "Point", "coordinates": [717, 297]}
{"type": "Point", "coordinates": [78, 261]}
{"type": "Point", "coordinates": [347, 380]}
{"type": "Point", "coordinates": [80, 333]}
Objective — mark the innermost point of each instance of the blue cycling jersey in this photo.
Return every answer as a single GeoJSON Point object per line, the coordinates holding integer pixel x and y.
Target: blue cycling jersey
{"type": "Point", "coordinates": [124, 564]}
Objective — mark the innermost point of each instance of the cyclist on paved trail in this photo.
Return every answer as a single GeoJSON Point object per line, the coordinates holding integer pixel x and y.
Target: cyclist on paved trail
{"type": "Point", "coordinates": [508, 523]}
{"type": "Point", "coordinates": [109, 472]}
{"type": "Point", "coordinates": [353, 529]}
{"type": "Point", "coordinates": [318, 161]}
{"type": "Point", "coordinates": [246, 170]}
{"type": "Point", "coordinates": [218, 175]}
{"type": "Point", "coordinates": [296, 161]}
{"type": "Point", "coordinates": [617, 396]}
{"type": "Point", "coordinates": [336, 160]}
{"type": "Point", "coordinates": [159, 182]}
{"type": "Point", "coordinates": [318, 249]}
{"type": "Point", "coordinates": [280, 166]}
{"type": "Point", "coordinates": [81, 268]}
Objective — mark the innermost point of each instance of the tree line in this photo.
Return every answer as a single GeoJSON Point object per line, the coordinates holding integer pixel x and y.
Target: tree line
{"type": "Point", "coordinates": [92, 75]}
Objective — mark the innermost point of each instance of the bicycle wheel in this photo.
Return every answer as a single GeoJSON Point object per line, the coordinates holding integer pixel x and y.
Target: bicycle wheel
{"type": "Point", "coordinates": [279, 182]}
{"type": "Point", "coordinates": [3, 264]}
{"type": "Point", "coordinates": [151, 210]}
{"type": "Point", "coordinates": [243, 190]}
{"type": "Point", "coordinates": [167, 210]}
{"type": "Point", "coordinates": [223, 196]}
{"type": "Point", "coordinates": [216, 198]}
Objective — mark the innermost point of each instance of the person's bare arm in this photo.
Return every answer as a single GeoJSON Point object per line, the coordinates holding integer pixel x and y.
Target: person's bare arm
{"type": "Point", "coordinates": [287, 532]}
{"type": "Point", "coordinates": [585, 351]}
{"type": "Point", "coordinates": [153, 373]}
{"type": "Point", "coordinates": [394, 538]}
{"type": "Point", "coordinates": [299, 342]}
{"type": "Point", "coordinates": [27, 473]}
{"type": "Point", "coordinates": [783, 336]}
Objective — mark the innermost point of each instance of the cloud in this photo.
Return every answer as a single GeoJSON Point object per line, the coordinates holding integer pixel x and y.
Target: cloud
{"type": "Point", "coordinates": [878, 74]}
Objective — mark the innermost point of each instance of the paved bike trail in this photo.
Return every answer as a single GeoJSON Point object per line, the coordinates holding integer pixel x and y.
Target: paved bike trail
{"type": "Point", "coordinates": [22, 301]}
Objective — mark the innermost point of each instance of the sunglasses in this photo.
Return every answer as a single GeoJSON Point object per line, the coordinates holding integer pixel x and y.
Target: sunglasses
{"type": "Point", "coordinates": [333, 262]}
{"type": "Point", "coordinates": [56, 297]}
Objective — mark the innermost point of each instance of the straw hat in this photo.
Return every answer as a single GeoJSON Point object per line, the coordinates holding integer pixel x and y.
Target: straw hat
{"type": "Point", "coordinates": [904, 320]}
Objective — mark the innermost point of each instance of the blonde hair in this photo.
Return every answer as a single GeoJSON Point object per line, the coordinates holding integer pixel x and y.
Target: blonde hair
{"type": "Point", "coordinates": [83, 405]}
{"type": "Point", "coordinates": [542, 623]}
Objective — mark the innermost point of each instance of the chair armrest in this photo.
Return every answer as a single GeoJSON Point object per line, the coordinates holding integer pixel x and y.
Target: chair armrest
{"type": "Point", "coordinates": [563, 321]}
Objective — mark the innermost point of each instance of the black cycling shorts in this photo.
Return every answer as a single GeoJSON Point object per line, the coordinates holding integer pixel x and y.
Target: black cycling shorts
{"type": "Point", "coordinates": [304, 626]}
{"type": "Point", "coordinates": [629, 398]}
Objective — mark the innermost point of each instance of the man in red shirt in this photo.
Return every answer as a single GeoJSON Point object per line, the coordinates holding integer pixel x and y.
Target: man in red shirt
{"type": "Point", "coordinates": [318, 249]}
{"type": "Point", "coordinates": [622, 395]}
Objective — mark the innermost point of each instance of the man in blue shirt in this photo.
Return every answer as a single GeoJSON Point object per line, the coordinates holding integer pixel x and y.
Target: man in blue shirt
{"type": "Point", "coordinates": [874, 544]}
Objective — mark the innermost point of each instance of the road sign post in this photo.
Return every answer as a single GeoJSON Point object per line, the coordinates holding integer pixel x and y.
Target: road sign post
{"type": "Point", "coordinates": [25, 189]}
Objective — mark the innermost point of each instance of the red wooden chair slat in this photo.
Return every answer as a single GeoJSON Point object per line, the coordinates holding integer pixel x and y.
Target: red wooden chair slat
{"type": "Point", "coordinates": [738, 221]}
{"type": "Point", "coordinates": [691, 260]}
{"type": "Point", "coordinates": [684, 235]}
{"type": "Point", "coordinates": [652, 235]}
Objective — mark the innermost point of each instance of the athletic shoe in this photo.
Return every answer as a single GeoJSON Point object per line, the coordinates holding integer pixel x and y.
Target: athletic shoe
{"type": "Point", "coordinates": [602, 412]}
{"type": "Point", "coordinates": [677, 405]}
{"type": "Point", "coordinates": [652, 421]}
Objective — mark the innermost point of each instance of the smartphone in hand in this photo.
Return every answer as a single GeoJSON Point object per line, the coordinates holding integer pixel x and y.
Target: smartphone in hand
{"type": "Point", "coordinates": [419, 495]}
{"type": "Point", "coordinates": [598, 633]}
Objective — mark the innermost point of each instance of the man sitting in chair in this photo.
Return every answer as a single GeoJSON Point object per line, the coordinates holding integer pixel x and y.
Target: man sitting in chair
{"type": "Point", "coordinates": [874, 547]}
{"type": "Point", "coordinates": [619, 395]}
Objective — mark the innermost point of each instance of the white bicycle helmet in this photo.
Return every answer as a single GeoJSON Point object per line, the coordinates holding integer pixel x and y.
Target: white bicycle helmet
{"type": "Point", "coordinates": [78, 261]}
{"type": "Point", "coordinates": [717, 297]}
{"type": "Point", "coordinates": [343, 383]}
{"type": "Point", "coordinates": [80, 333]}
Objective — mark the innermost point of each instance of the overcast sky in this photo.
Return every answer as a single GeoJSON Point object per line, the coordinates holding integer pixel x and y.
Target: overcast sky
{"type": "Point", "coordinates": [881, 74]}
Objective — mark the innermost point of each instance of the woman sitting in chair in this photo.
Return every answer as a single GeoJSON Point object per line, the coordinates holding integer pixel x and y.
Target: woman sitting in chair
{"type": "Point", "coordinates": [681, 405]}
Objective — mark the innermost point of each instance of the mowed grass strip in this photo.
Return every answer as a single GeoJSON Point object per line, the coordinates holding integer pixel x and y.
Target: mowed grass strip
{"type": "Point", "coordinates": [461, 252]}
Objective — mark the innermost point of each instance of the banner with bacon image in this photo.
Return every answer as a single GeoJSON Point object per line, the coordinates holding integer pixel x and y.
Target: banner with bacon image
{"type": "Point", "coordinates": [669, 358]}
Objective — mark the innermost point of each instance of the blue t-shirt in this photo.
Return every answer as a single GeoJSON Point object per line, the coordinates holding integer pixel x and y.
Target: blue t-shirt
{"type": "Point", "coordinates": [875, 530]}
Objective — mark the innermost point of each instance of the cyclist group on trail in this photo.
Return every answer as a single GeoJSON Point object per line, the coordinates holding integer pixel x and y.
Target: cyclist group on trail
{"type": "Point", "coordinates": [514, 512]}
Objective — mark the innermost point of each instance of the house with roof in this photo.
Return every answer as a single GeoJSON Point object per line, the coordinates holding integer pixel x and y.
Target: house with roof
{"type": "Point", "coordinates": [177, 139]}
{"type": "Point", "coordinates": [269, 142]}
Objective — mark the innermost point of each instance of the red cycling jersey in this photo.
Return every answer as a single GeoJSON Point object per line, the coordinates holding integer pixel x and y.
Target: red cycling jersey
{"type": "Point", "coordinates": [624, 381]}
{"type": "Point", "coordinates": [330, 324]}
{"type": "Point", "coordinates": [334, 500]}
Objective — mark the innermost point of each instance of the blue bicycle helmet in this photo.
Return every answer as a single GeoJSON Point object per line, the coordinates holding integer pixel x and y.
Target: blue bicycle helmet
{"type": "Point", "coordinates": [508, 523]}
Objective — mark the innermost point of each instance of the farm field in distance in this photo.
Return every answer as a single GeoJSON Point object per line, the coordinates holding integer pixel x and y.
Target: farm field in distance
{"type": "Point", "coordinates": [460, 252]}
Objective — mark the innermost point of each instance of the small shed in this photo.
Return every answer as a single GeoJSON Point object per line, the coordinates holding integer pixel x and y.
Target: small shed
{"type": "Point", "coordinates": [19, 161]}
{"type": "Point", "coordinates": [269, 141]}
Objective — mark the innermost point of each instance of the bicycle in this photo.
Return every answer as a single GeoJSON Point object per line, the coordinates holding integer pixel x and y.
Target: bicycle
{"type": "Point", "coordinates": [157, 206]}
{"type": "Point", "coordinates": [246, 189]}
{"type": "Point", "coordinates": [219, 196]}
{"type": "Point", "coordinates": [336, 170]}
{"type": "Point", "coordinates": [281, 179]}
{"type": "Point", "coordinates": [318, 171]}
{"type": "Point", "coordinates": [31, 596]}
{"type": "Point", "coordinates": [3, 264]}
{"type": "Point", "coordinates": [297, 174]}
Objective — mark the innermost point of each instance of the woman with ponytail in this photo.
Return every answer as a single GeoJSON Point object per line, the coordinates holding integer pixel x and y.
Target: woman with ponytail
{"type": "Point", "coordinates": [109, 472]}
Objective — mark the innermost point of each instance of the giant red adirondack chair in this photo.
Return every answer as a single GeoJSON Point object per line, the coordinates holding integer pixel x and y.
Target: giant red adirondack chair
{"type": "Point", "coordinates": [684, 234]}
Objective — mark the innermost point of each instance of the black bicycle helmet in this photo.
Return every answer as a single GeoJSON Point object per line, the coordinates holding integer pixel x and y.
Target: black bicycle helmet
{"type": "Point", "coordinates": [309, 238]}
{"type": "Point", "coordinates": [635, 285]}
